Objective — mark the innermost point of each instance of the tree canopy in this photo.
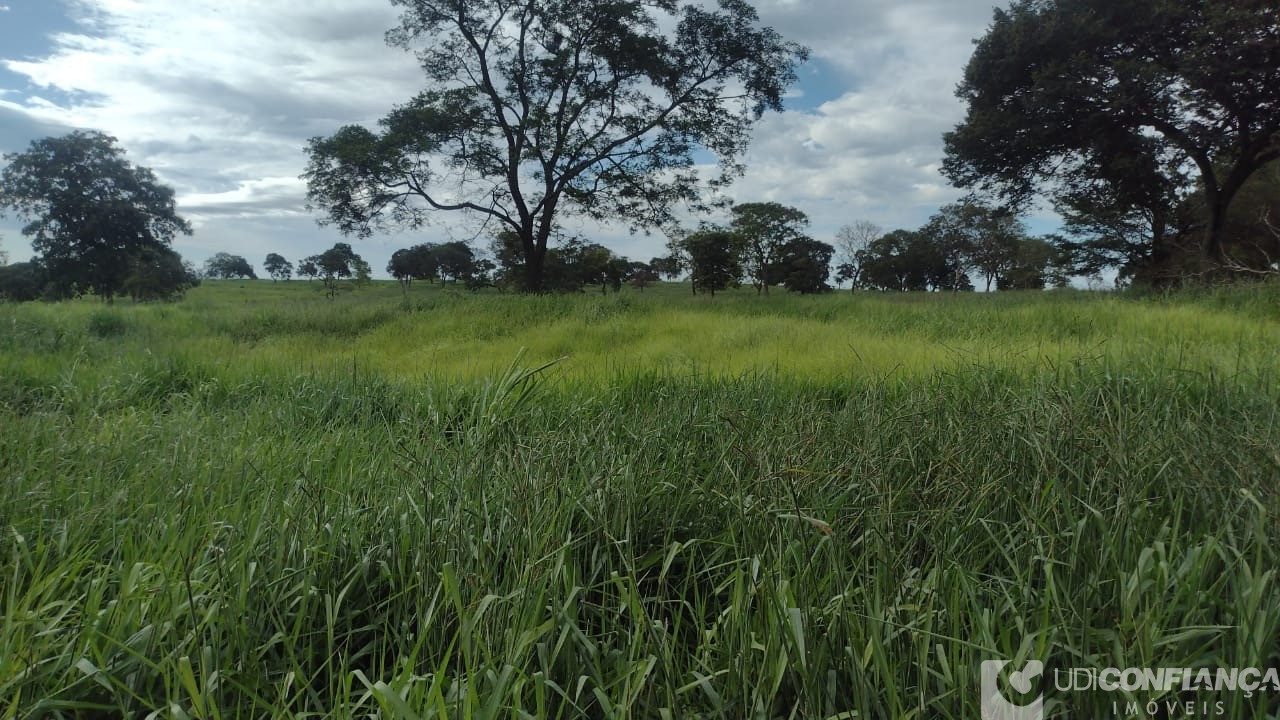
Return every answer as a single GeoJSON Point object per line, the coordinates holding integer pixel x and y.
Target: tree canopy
{"type": "Point", "coordinates": [714, 258]}
{"type": "Point", "coordinates": [278, 267]}
{"type": "Point", "coordinates": [225, 266]}
{"type": "Point", "coordinates": [335, 264]}
{"type": "Point", "coordinates": [766, 229]}
{"type": "Point", "coordinates": [538, 108]}
{"type": "Point", "coordinates": [92, 215]}
{"type": "Point", "coordinates": [1123, 108]}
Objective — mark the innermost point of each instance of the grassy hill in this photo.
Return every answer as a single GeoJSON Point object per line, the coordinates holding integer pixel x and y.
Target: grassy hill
{"type": "Point", "coordinates": [262, 503]}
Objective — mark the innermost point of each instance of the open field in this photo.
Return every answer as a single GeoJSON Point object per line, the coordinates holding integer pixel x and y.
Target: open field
{"type": "Point", "coordinates": [261, 503]}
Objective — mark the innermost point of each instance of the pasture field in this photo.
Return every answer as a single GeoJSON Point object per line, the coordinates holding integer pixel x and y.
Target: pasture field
{"type": "Point", "coordinates": [260, 503]}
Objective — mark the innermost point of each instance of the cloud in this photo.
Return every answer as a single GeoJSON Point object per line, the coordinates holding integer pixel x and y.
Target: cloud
{"type": "Point", "coordinates": [874, 151]}
{"type": "Point", "coordinates": [252, 80]}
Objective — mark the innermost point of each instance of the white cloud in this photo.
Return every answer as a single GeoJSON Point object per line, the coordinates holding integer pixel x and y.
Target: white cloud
{"type": "Point", "coordinates": [219, 97]}
{"type": "Point", "coordinates": [874, 151]}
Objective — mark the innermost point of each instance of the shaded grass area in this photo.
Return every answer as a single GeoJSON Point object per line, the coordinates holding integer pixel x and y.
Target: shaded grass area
{"type": "Point", "coordinates": [208, 532]}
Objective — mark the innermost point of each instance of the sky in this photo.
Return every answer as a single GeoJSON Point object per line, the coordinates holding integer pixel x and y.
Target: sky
{"type": "Point", "coordinates": [220, 96]}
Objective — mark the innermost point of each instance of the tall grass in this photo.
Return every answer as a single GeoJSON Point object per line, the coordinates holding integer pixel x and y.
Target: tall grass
{"type": "Point", "coordinates": [295, 524]}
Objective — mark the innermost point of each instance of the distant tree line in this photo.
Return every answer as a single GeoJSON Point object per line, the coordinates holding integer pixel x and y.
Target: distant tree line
{"type": "Point", "coordinates": [763, 245]}
{"type": "Point", "coordinates": [960, 242]}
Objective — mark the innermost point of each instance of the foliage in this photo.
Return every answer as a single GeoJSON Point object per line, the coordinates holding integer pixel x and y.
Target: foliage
{"type": "Point", "coordinates": [805, 265]}
{"type": "Point", "coordinates": [278, 267]}
{"type": "Point", "coordinates": [1122, 110]}
{"type": "Point", "coordinates": [714, 260]}
{"type": "Point", "coordinates": [159, 274]}
{"type": "Point", "coordinates": [641, 275]}
{"type": "Point", "coordinates": [414, 263]}
{"type": "Point", "coordinates": [308, 268]}
{"type": "Point", "coordinates": [1035, 264]}
{"type": "Point", "coordinates": [336, 264]}
{"type": "Point", "coordinates": [226, 266]}
{"type": "Point", "coordinates": [455, 260]}
{"type": "Point", "coordinates": [668, 266]}
{"type": "Point", "coordinates": [765, 230]}
{"type": "Point", "coordinates": [974, 236]}
{"type": "Point", "coordinates": [22, 282]}
{"type": "Point", "coordinates": [535, 109]}
{"type": "Point", "coordinates": [904, 260]}
{"type": "Point", "coordinates": [570, 266]}
{"type": "Point", "coordinates": [91, 213]}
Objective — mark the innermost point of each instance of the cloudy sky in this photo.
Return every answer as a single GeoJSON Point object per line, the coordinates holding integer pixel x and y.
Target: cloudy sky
{"type": "Point", "coordinates": [220, 96]}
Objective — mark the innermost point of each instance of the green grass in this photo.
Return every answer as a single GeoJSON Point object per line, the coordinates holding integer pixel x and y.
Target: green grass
{"type": "Point", "coordinates": [260, 503]}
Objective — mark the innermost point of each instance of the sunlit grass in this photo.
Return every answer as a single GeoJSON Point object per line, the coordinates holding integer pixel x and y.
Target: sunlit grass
{"type": "Point", "coordinates": [259, 503]}
{"type": "Point", "coordinates": [459, 335]}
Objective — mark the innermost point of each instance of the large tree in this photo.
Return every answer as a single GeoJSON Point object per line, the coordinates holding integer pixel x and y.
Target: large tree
{"type": "Point", "coordinates": [766, 229]}
{"type": "Point", "coordinates": [537, 108]}
{"type": "Point", "coordinates": [1126, 106]}
{"type": "Point", "coordinates": [91, 214]}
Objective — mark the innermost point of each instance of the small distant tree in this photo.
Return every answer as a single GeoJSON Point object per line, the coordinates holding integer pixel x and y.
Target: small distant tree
{"type": "Point", "coordinates": [851, 245]}
{"type": "Point", "coordinates": [91, 213]}
{"type": "Point", "coordinates": [714, 260]}
{"type": "Point", "coordinates": [977, 237]}
{"type": "Point", "coordinates": [481, 275]}
{"type": "Point", "coordinates": [277, 267]}
{"type": "Point", "coordinates": [308, 268]}
{"type": "Point", "coordinates": [805, 266]}
{"type": "Point", "coordinates": [400, 267]}
{"type": "Point", "coordinates": [641, 275]}
{"type": "Point", "coordinates": [456, 260]}
{"type": "Point", "coordinates": [336, 264]}
{"type": "Point", "coordinates": [765, 229]}
{"type": "Point", "coordinates": [363, 272]}
{"type": "Point", "coordinates": [226, 266]}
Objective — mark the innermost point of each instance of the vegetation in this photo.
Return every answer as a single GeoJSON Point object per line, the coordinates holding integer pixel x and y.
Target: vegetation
{"type": "Point", "coordinates": [534, 110]}
{"type": "Point", "coordinates": [98, 224]}
{"type": "Point", "coordinates": [225, 266]}
{"type": "Point", "coordinates": [437, 500]}
{"type": "Point", "coordinates": [766, 231]}
{"type": "Point", "coordinates": [1123, 111]}
{"type": "Point", "coordinates": [259, 503]}
{"type": "Point", "coordinates": [334, 265]}
{"type": "Point", "coordinates": [278, 267]}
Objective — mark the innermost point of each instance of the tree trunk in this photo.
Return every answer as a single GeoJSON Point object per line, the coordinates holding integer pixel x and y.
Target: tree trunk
{"type": "Point", "coordinates": [534, 264]}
